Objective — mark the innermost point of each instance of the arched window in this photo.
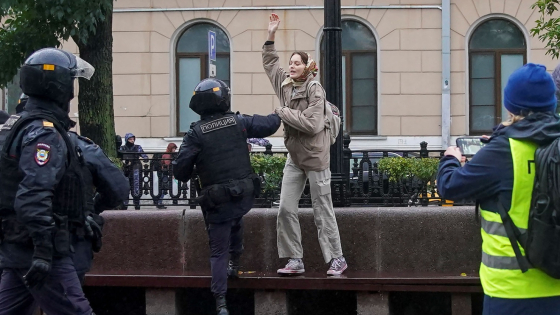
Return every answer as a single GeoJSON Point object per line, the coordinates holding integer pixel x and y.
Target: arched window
{"type": "Point", "coordinates": [192, 67]}
{"type": "Point", "coordinates": [359, 78]}
{"type": "Point", "coordinates": [496, 48]}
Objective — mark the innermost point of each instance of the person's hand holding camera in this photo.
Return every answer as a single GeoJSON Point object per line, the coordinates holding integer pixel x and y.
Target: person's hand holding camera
{"type": "Point", "coordinates": [454, 151]}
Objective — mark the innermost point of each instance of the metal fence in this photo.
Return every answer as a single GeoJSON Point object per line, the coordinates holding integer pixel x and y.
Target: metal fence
{"type": "Point", "coordinates": [362, 183]}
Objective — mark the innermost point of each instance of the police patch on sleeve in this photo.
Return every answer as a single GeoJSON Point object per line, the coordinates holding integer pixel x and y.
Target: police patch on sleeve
{"type": "Point", "coordinates": [42, 156]}
{"type": "Point", "coordinates": [218, 124]}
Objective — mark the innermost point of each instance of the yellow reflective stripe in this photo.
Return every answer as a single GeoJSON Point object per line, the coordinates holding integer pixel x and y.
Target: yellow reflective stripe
{"type": "Point", "coordinates": [500, 262]}
{"type": "Point", "coordinates": [497, 245]}
{"type": "Point", "coordinates": [490, 216]}
{"type": "Point", "coordinates": [493, 243]}
{"type": "Point", "coordinates": [495, 228]}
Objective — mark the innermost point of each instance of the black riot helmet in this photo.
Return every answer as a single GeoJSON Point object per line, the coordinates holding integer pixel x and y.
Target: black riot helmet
{"type": "Point", "coordinates": [210, 96]}
{"type": "Point", "coordinates": [21, 103]}
{"type": "Point", "coordinates": [49, 73]}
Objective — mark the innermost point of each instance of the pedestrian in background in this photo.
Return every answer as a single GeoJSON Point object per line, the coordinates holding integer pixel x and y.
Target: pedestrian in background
{"type": "Point", "coordinates": [133, 167]}
{"type": "Point", "coordinates": [162, 165]}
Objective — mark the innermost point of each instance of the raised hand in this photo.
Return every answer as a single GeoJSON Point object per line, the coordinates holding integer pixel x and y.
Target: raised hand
{"type": "Point", "coordinates": [273, 25]}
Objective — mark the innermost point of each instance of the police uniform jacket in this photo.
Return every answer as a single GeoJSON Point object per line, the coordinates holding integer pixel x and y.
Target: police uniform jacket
{"type": "Point", "coordinates": [111, 186]}
{"type": "Point", "coordinates": [43, 159]}
{"type": "Point", "coordinates": [217, 145]}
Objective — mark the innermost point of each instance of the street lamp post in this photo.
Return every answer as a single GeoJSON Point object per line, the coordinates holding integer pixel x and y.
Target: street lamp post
{"type": "Point", "coordinates": [332, 78]}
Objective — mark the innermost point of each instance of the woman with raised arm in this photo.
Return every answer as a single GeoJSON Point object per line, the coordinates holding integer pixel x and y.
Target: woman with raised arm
{"type": "Point", "coordinates": [302, 110]}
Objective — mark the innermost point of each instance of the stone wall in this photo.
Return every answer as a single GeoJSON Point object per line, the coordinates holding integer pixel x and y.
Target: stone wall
{"type": "Point", "coordinates": [431, 240]}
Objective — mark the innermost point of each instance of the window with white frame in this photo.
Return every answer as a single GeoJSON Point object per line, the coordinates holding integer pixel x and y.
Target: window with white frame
{"type": "Point", "coordinates": [497, 48]}
{"type": "Point", "coordinates": [359, 78]}
{"type": "Point", "coordinates": [192, 67]}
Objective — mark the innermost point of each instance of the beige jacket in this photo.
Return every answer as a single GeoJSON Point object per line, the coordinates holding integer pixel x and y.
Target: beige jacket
{"type": "Point", "coordinates": [305, 135]}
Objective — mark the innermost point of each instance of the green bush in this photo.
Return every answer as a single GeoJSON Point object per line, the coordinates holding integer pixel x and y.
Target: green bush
{"type": "Point", "coordinates": [271, 167]}
{"type": "Point", "coordinates": [425, 168]}
{"type": "Point", "coordinates": [397, 168]}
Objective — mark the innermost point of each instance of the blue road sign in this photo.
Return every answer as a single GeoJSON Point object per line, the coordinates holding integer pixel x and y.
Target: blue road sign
{"type": "Point", "coordinates": [212, 45]}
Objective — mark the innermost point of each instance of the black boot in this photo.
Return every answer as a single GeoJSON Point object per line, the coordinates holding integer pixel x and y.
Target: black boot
{"type": "Point", "coordinates": [233, 267]}
{"type": "Point", "coordinates": [221, 308]}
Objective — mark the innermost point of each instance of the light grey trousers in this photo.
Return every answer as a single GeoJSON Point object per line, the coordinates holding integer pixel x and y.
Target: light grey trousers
{"type": "Point", "coordinates": [288, 228]}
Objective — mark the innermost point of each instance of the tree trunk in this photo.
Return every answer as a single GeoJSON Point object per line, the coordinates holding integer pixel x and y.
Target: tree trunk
{"type": "Point", "coordinates": [95, 106]}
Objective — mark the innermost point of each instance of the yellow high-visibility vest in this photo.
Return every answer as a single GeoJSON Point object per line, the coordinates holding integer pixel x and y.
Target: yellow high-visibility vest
{"type": "Point", "coordinates": [499, 271]}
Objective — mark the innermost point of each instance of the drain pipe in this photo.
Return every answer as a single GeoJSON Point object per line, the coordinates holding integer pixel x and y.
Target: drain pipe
{"type": "Point", "coordinates": [445, 9]}
{"type": "Point", "coordinates": [445, 74]}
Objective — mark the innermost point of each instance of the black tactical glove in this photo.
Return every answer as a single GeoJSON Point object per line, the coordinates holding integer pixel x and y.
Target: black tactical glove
{"type": "Point", "coordinates": [94, 227]}
{"type": "Point", "coordinates": [37, 275]}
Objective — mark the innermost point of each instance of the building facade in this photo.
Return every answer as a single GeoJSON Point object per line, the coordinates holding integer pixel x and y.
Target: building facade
{"type": "Point", "coordinates": [413, 70]}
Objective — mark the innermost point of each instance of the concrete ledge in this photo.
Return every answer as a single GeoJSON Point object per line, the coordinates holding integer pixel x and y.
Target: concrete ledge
{"type": "Point", "coordinates": [271, 303]}
{"type": "Point", "coordinates": [350, 281]}
{"type": "Point", "coordinates": [373, 303]}
{"type": "Point", "coordinates": [420, 240]}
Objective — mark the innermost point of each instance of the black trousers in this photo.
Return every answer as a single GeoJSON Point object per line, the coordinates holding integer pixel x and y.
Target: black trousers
{"type": "Point", "coordinates": [225, 239]}
{"type": "Point", "coordinates": [62, 293]}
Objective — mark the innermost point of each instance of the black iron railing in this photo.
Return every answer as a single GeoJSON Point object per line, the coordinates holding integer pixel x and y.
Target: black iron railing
{"type": "Point", "coordinates": [152, 182]}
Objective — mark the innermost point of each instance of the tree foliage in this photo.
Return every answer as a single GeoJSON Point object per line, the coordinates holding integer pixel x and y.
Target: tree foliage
{"type": "Point", "coordinates": [547, 27]}
{"type": "Point", "coordinates": [28, 25]}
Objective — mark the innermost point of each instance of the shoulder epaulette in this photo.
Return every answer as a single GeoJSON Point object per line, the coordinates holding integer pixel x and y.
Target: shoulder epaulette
{"type": "Point", "coordinates": [47, 123]}
{"type": "Point", "coordinates": [86, 139]}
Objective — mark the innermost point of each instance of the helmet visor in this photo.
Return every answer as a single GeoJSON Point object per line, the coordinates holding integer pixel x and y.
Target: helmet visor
{"type": "Point", "coordinates": [83, 69]}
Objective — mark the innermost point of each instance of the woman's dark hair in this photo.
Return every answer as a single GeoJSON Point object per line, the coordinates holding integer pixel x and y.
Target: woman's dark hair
{"type": "Point", "coordinates": [170, 147]}
{"type": "Point", "coordinates": [304, 56]}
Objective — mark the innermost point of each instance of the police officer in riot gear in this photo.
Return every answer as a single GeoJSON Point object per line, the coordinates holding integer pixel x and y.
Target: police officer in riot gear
{"type": "Point", "coordinates": [21, 103]}
{"type": "Point", "coordinates": [111, 190]}
{"type": "Point", "coordinates": [43, 191]}
{"type": "Point", "coordinates": [217, 145]}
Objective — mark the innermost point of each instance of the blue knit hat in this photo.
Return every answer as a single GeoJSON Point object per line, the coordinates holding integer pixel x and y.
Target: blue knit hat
{"type": "Point", "coordinates": [530, 88]}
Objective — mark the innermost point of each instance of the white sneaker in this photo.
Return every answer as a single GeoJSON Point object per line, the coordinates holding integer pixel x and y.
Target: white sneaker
{"type": "Point", "coordinates": [294, 266]}
{"type": "Point", "coordinates": [338, 265]}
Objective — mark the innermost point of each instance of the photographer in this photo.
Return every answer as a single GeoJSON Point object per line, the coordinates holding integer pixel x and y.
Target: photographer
{"type": "Point", "coordinates": [500, 177]}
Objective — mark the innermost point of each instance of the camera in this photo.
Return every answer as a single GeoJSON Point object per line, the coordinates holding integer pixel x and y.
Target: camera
{"type": "Point", "coordinates": [469, 146]}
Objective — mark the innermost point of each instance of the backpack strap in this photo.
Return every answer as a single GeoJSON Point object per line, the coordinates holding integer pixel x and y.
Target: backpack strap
{"type": "Point", "coordinates": [514, 236]}
{"type": "Point", "coordinates": [315, 82]}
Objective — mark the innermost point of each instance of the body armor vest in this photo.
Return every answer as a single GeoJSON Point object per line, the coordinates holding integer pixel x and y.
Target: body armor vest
{"type": "Point", "coordinates": [224, 155]}
{"type": "Point", "coordinates": [72, 196]}
{"type": "Point", "coordinates": [134, 149]}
